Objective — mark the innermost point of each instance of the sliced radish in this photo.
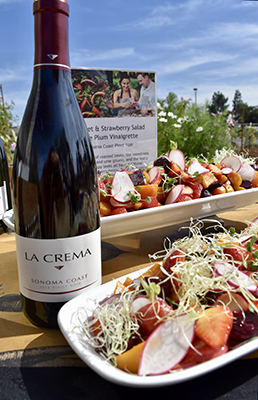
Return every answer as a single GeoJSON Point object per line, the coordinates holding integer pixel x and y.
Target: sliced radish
{"type": "Point", "coordinates": [139, 302]}
{"type": "Point", "coordinates": [226, 170]}
{"type": "Point", "coordinates": [166, 346]}
{"type": "Point", "coordinates": [115, 203]}
{"type": "Point", "coordinates": [232, 162]}
{"type": "Point", "coordinates": [247, 172]}
{"type": "Point", "coordinates": [174, 194]}
{"type": "Point", "coordinates": [244, 239]}
{"type": "Point", "coordinates": [234, 301]}
{"type": "Point", "coordinates": [254, 221]}
{"type": "Point", "coordinates": [154, 174]}
{"type": "Point", "coordinates": [109, 300]}
{"type": "Point", "coordinates": [236, 277]}
{"type": "Point", "coordinates": [122, 186]}
{"type": "Point", "coordinates": [178, 157]}
{"type": "Point", "coordinates": [196, 167]}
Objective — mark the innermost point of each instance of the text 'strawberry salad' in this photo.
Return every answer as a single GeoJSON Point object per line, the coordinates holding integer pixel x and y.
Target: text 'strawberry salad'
{"type": "Point", "coordinates": [169, 179]}
{"type": "Point", "coordinates": [197, 303]}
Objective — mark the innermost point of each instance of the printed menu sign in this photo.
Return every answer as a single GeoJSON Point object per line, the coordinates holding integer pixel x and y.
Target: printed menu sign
{"type": "Point", "coordinates": [120, 110]}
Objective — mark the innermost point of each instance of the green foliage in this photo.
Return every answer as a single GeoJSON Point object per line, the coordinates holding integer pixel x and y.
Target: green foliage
{"type": "Point", "coordinates": [237, 105]}
{"type": "Point", "coordinates": [218, 103]}
{"type": "Point", "coordinates": [250, 114]}
{"type": "Point", "coordinates": [8, 136]}
{"type": "Point", "coordinates": [195, 130]}
{"type": "Point", "coordinates": [247, 135]}
{"type": "Point", "coordinates": [250, 135]}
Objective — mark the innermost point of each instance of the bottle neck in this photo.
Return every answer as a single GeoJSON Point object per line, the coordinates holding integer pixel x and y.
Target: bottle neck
{"type": "Point", "coordinates": [51, 34]}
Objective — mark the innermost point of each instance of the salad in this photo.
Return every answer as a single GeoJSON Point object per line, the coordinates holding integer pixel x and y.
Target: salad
{"type": "Point", "coordinates": [197, 301]}
{"type": "Point", "coordinates": [170, 179]}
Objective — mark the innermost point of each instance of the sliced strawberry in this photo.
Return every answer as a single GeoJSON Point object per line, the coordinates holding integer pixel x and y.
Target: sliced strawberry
{"type": "Point", "coordinates": [253, 252]}
{"type": "Point", "coordinates": [119, 210]}
{"type": "Point", "coordinates": [149, 316]}
{"type": "Point", "coordinates": [177, 257]}
{"type": "Point", "coordinates": [197, 190]}
{"type": "Point", "coordinates": [188, 190]}
{"type": "Point", "coordinates": [237, 255]}
{"type": "Point", "coordinates": [214, 326]}
{"type": "Point", "coordinates": [151, 202]}
{"type": "Point", "coordinates": [184, 197]}
{"type": "Point", "coordinates": [172, 264]}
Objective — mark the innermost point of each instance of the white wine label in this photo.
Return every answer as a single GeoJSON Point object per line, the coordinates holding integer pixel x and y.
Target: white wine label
{"type": "Point", "coordinates": [57, 270]}
{"type": "Point", "coordinates": [3, 199]}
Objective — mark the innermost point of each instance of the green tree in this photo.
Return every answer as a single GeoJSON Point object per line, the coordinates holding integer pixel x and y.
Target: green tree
{"type": "Point", "coordinates": [218, 103]}
{"type": "Point", "coordinates": [169, 104]}
{"type": "Point", "coordinates": [6, 122]}
{"type": "Point", "coordinates": [171, 101]}
{"type": "Point", "coordinates": [251, 114]}
{"type": "Point", "coordinates": [238, 105]}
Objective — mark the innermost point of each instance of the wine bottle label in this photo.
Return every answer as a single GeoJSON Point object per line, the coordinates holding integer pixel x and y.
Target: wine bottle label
{"type": "Point", "coordinates": [59, 269]}
{"type": "Point", "coordinates": [3, 199]}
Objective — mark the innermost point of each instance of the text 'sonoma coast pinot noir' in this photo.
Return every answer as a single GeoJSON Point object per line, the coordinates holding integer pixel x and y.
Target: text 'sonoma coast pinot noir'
{"type": "Point", "coordinates": [55, 184]}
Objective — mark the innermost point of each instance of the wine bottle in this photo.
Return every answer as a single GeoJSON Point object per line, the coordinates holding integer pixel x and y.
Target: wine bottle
{"type": "Point", "coordinates": [55, 183]}
{"type": "Point", "coordinates": [5, 189]}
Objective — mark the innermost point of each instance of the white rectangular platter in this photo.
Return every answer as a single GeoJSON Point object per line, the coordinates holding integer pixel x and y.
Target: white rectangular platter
{"type": "Point", "coordinates": [67, 320]}
{"type": "Point", "coordinates": [164, 216]}
{"type": "Point", "coordinates": [173, 214]}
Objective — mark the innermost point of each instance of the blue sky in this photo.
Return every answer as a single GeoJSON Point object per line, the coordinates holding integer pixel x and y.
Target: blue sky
{"type": "Point", "coordinates": [211, 45]}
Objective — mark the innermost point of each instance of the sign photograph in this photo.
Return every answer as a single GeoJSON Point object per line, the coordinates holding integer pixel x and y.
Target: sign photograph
{"type": "Point", "coordinates": [119, 108]}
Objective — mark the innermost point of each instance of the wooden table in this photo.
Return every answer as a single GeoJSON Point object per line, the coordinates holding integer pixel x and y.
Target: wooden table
{"type": "Point", "coordinates": [37, 363]}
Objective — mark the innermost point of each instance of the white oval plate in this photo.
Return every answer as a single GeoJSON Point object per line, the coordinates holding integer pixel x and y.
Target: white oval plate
{"type": "Point", "coordinates": [67, 320]}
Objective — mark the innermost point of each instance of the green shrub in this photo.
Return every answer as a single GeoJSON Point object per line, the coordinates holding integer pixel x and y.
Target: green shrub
{"type": "Point", "coordinates": [195, 130]}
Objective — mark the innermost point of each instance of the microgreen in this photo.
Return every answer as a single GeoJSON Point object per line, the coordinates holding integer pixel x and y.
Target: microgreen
{"type": "Point", "coordinates": [108, 175]}
{"type": "Point", "coordinates": [251, 242]}
{"type": "Point", "coordinates": [152, 289]}
{"type": "Point", "coordinates": [253, 266]}
{"type": "Point", "coordinates": [232, 230]}
{"type": "Point", "coordinates": [103, 192]}
{"type": "Point", "coordinates": [168, 182]}
{"type": "Point", "coordinates": [134, 197]}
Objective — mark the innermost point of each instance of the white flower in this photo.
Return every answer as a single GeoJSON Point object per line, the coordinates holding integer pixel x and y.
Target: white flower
{"type": "Point", "coordinates": [170, 114]}
{"type": "Point", "coordinates": [177, 125]}
{"type": "Point", "coordinates": [163, 120]}
{"type": "Point", "coordinates": [162, 114]}
{"type": "Point", "coordinates": [199, 129]}
{"type": "Point", "coordinates": [159, 106]}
